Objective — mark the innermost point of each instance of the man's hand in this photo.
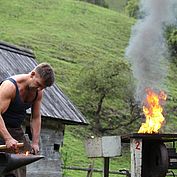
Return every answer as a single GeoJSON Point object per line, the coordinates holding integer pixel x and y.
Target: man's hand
{"type": "Point", "coordinates": [11, 143]}
{"type": "Point", "coordinates": [35, 148]}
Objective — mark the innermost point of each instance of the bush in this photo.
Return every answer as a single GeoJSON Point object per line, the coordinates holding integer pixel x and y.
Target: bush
{"type": "Point", "coordinates": [172, 41]}
{"type": "Point", "coordinates": [132, 8]}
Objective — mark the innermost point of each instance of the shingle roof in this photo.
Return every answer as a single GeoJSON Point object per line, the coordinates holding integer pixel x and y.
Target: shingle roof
{"type": "Point", "coordinates": [55, 105]}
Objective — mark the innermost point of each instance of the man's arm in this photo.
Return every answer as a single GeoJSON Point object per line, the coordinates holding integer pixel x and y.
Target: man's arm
{"type": "Point", "coordinates": [36, 123]}
{"type": "Point", "coordinates": [7, 92]}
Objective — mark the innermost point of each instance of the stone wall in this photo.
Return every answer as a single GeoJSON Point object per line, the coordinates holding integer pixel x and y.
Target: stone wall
{"type": "Point", "coordinates": [50, 142]}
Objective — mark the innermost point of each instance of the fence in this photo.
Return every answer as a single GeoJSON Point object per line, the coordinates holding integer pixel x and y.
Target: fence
{"type": "Point", "coordinates": [90, 171]}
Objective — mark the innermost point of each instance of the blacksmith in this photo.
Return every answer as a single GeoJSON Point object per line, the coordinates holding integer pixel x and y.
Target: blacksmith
{"type": "Point", "coordinates": [17, 94]}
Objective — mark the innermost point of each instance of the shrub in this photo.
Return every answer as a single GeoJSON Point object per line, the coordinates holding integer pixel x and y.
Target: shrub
{"type": "Point", "coordinates": [172, 41]}
{"type": "Point", "coordinates": [132, 8]}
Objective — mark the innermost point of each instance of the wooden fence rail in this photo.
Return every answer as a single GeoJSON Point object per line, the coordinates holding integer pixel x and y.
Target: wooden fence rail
{"type": "Point", "coordinates": [171, 173]}
{"type": "Point", "coordinates": [90, 170]}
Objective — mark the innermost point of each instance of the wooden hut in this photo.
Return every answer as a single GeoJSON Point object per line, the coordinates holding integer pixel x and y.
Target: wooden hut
{"type": "Point", "coordinates": [56, 110]}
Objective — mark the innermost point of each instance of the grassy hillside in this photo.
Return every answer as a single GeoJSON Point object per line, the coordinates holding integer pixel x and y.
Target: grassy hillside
{"type": "Point", "coordinates": [66, 33]}
{"type": "Point", "coordinates": [69, 34]}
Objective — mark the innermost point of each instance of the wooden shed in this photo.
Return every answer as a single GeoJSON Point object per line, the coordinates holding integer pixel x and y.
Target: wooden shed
{"type": "Point", "coordinates": [57, 111]}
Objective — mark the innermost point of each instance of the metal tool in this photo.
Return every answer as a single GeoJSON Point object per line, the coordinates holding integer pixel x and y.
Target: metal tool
{"type": "Point", "coordinates": [9, 162]}
{"type": "Point", "coordinates": [4, 147]}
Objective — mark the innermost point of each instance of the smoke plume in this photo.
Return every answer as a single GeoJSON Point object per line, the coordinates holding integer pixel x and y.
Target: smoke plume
{"type": "Point", "coordinates": [147, 50]}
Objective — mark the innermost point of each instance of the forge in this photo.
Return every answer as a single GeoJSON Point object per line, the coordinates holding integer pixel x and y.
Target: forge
{"type": "Point", "coordinates": [151, 154]}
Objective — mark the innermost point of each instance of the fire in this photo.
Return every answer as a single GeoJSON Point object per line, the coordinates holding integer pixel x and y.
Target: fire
{"type": "Point", "coordinates": [27, 153]}
{"type": "Point", "coordinates": [153, 112]}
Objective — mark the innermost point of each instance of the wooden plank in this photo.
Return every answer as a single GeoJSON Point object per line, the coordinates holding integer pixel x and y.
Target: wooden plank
{"type": "Point", "coordinates": [136, 157]}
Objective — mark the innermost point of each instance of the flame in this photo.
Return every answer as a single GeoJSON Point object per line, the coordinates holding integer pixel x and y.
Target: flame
{"type": "Point", "coordinates": [27, 153]}
{"type": "Point", "coordinates": [153, 112]}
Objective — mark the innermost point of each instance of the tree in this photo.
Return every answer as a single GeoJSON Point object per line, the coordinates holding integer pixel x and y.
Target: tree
{"type": "Point", "coordinates": [105, 81]}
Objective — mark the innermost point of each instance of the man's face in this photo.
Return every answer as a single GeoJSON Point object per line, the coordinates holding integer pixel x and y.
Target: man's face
{"type": "Point", "coordinates": [37, 83]}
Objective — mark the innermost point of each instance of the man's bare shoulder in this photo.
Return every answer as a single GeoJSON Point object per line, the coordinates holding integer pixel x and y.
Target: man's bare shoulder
{"type": "Point", "coordinates": [7, 88]}
{"type": "Point", "coordinates": [7, 94]}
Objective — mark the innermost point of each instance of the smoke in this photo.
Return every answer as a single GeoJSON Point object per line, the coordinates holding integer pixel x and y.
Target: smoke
{"type": "Point", "coordinates": [147, 50]}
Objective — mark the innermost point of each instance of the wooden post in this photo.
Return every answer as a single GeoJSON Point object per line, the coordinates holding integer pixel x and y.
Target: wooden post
{"type": "Point", "coordinates": [90, 171]}
{"type": "Point", "coordinates": [106, 166]}
{"type": "Point", "coordinates": [136, 157]}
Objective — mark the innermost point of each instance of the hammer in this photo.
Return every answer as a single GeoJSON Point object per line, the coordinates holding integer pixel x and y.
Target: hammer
{"type": "Point", "coordinates": [4, 147]}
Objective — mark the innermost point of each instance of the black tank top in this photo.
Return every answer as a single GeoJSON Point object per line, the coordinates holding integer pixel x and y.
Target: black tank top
{"type": "Point", "coordinates": [16, 112]}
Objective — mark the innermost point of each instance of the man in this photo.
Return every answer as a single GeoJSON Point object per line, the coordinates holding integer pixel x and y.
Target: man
{"type": "Point", "coordinates": [17, 94]}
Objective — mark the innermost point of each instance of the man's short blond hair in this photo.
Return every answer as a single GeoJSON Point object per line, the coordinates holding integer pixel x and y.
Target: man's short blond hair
{"type": "Point", "coordinates": [46, 72]}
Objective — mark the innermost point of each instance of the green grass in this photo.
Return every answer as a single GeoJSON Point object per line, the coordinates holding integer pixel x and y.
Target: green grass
{"type": "Point", "coordinates": [76, 31]}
